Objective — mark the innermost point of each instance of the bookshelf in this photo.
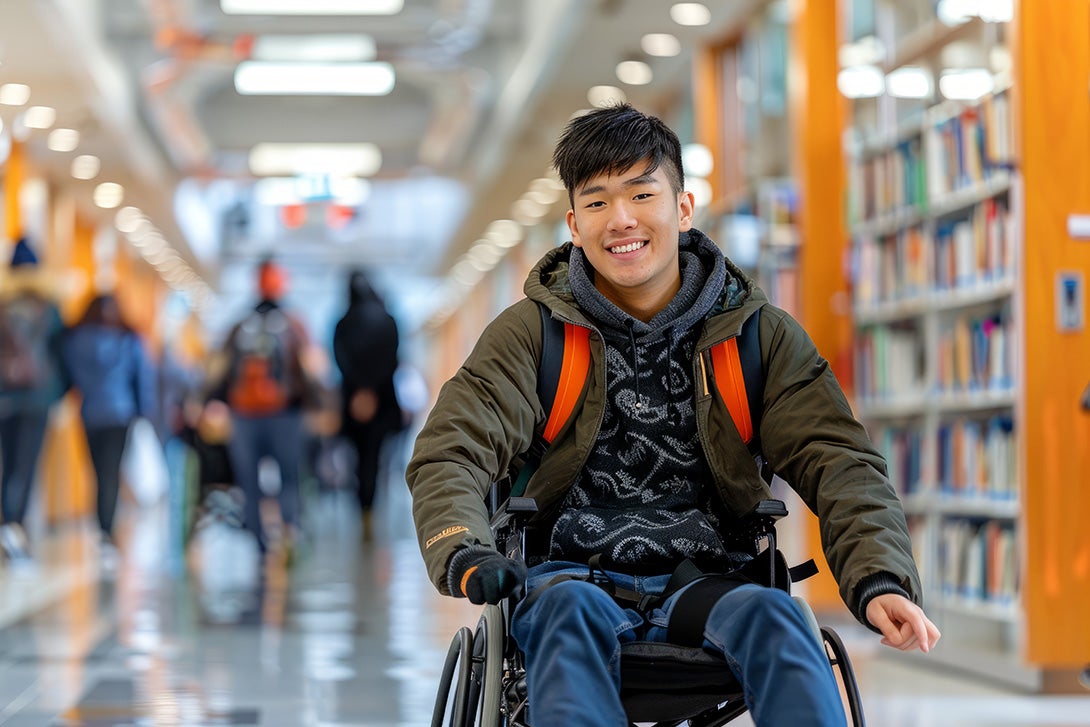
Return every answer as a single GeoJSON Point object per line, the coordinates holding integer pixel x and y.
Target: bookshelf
{"type": "Point", "coordinates": [946, 309]}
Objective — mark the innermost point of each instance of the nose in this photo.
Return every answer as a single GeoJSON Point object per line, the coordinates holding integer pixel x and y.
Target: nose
{"type": "Point", "coordinates": [622, 217]}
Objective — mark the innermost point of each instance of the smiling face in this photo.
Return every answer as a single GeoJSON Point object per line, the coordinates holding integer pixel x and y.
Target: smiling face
{"type": "Point", "coordinates": [627, 225]}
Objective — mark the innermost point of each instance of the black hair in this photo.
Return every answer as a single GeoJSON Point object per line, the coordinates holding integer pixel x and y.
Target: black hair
{"type": "Point", "coordinates": [612, 139]}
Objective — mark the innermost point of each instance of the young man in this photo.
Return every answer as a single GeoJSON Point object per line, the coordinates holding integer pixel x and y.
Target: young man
{"type": "Point", "coordinates": [652, 470]}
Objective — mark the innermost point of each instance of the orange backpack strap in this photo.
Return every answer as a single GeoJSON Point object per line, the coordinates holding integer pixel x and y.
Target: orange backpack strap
{"type": "Point", "coordinates": [574, 367]}
{"type": "Point", "coordinates": [739, 377]}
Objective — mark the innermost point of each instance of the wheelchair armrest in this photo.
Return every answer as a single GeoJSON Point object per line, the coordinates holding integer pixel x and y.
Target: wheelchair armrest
{"type": "Point", "coordinates": [508, 525]}
{"type": "Point", "coordinates": [769, 510]}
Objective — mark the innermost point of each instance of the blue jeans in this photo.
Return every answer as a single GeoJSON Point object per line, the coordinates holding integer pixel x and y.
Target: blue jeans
{"type": "Point", "coordinates": [572, 634]}
{"type": "Point", "coordinates": [279, 436]}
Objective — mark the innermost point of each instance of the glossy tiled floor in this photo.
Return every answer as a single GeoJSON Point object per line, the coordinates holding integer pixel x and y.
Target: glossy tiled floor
{"type": "Point", "coordinates": [350, 635]}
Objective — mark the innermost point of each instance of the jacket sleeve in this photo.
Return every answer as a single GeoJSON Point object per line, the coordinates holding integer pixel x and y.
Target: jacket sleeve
{"type": "Point", "coordinates": [813, 441]}
{"type": "Point", "coordinates": [484, 416]}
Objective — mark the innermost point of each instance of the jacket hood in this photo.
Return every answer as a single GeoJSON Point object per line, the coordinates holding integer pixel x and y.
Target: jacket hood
{"type": "Point", "coordinates": [549, 282]}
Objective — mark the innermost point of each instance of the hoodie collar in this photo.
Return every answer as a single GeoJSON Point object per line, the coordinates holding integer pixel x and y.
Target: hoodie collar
{"type": "Point", "coordinates": [703, 275]}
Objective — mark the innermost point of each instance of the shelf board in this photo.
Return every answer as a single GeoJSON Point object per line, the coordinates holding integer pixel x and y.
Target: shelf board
{"type": "Point", "coordinates": [979, 293]}
{"type": "Point", "coordinates": [1001, 612]}
{"type": "Point", "coordinates": [939, 503]}
{"type": "Point", "coordinates": [975, 400]}
{"type": "Point", "coordinates": [1004, 667]}
{"type": "Point", "coordinates": [928, 39]}
{"type": "Point", "coordinates": [959, 200]}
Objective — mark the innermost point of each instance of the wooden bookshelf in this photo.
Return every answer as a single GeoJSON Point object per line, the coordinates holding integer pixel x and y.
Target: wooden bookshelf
{"type": "Point", "coordinates": [957, 220]}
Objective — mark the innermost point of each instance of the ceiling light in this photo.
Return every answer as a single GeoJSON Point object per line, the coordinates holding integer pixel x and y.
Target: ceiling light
{"type": "Point", "coordinates": [634, 73]}
{"type": "Point", "coordinates": [128, 220]}
{"type": "Point", "coordinates": [108, 195]}
{"type": "Point", "coordinates": [865, 51]}
{"type": "Point", "coordinates": [344, 160]}
{"type": "Point", "coordinates": [966, 84]}
{"type": "Point", "coordinates": [690, 14]}
{"type": "Point", "coordinates": [505, 233]}
{"type": "Point", "coordinates": [696, 160]}
{"type": "Point", "coordinates": [321, 48]}
{"type": "Point", "coordinates": [660, 44]}
{"type": "Point", "coordinates": [311, 7]}
{"type": "Point", "coordinates": [14, 94]}
{"type": "Point", "coordinates": [86, 166]}
{"type": "Point", "coordinates": [40, 117]}
{"type": "Point", "coordinates": [600, 96]}
{"type": "Point", "coordinates": [861, 82]}
{"type": "Point", "coordinates": [62, 140]}
{"type": "Point", "coordinates": [340, 79]}
{"type": "Point", "coordinates": [909, 82]}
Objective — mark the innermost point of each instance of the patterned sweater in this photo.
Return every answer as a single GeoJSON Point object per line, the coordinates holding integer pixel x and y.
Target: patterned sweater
{"type": "Point", "coordinates": [641, 500]}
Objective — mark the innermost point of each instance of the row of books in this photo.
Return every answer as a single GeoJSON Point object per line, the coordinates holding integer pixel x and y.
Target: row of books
{"type": "Point", "coordinates": [978, 561]}
{"type": "Point", "coordinates": [889, 363]}
{"type": "Point", "coordinates": [974, 354]}
{"type": "Point", "coordinates": [972, 458]}
{"type": "Point", "coordinates": [977, 458]}
{"type": "Point", "coordinates": [960, 254]}
{"type": "Point", "coordinates": [952, 150]}
{"type": "Point", "coordinates": [963, 149]}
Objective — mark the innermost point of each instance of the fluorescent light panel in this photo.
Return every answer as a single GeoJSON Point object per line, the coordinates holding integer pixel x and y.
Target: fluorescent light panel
{"type": "Point", "coordinates": [312, 7]}
{"type": "Point", "coordinates": [320, 48]}
{"type": "Point", "coordinates": [333, 79]}
{"type": "Point", "coordinates": [284, 160]}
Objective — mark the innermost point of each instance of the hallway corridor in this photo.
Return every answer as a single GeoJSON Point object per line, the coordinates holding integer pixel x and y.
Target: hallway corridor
{"type": "Point", "coordinates": [348, 636]}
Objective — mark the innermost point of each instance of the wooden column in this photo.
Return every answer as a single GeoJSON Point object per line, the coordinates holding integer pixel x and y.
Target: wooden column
{"type": "Point", "coordinates": [1052, 66]}
{"type": "Point", "coordinates": [817, 121]}
{"type": "Point", "coordinates": [14, 174]}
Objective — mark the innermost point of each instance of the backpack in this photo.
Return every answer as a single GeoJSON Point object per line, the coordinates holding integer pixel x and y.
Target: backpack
{"type": "Point", "coordinates": [263, 352]}
{"type": "Point", "coordinates": [565, 367]}
{"type": "Point", "coordinates": [24, 344]}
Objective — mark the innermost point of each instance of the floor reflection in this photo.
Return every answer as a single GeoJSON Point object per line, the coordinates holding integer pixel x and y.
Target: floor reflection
{"type": "Point", "coordinates": [331, 632]}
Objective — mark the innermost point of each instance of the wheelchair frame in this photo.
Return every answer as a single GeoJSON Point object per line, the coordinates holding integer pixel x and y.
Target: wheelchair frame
{"type": "Point", "coordinates": [483, 681]}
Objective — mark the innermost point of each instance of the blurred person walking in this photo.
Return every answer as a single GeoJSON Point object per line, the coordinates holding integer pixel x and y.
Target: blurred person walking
{"type": "Point", "coordinates": [33, 377]}
{"type": "Point", "coordinates": [262, 376]}
{"type": "Point", "coordinates": [365, 343]}
{"type": "Point", "coordinates": [111, 368]}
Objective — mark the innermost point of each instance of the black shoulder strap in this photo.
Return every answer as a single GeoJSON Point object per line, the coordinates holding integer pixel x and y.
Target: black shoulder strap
{"type": "Point", "coordinates": [552, 359]}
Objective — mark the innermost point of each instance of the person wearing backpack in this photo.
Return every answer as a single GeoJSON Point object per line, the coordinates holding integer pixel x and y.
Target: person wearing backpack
{"type": "Point", "coordinates": [114, 373]}
{"type": "Point", "coordinates": [262, 376]}
{"type": "Point", "coordinates": [33, 377]}
{"type": "Point", "coordinates": [652, 470]}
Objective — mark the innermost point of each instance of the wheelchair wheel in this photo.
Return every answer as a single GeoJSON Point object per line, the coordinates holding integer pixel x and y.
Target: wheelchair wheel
{"type": "Point", "coordinates": [485, 678]}
{"type": "Point", "coordinates": [838, 657]}
{"type": "Point", "coordinates": [459, 658]}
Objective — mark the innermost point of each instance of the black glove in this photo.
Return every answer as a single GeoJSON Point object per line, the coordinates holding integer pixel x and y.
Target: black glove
{"type": "Point", "coordinates": [482, 575]}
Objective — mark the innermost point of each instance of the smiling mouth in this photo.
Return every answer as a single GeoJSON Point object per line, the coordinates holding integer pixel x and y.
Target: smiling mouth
{"type": "Point", "coordinates": [630, 247]}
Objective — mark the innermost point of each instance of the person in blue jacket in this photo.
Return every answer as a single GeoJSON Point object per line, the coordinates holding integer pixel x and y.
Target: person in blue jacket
{"type": "Point", "coordinates": [32, 379]}
{"type": "Point", "coordinates": [115, 375]}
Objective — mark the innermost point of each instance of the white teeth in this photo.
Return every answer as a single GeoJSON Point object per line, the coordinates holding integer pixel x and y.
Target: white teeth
{"type": "Point", "coordinates": [627, 248]}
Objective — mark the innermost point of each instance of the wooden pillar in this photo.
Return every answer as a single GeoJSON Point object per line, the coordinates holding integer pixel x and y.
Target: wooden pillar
{"type": "Point", "coordinates": [817, 121]}
{"type": "Point", "coordinates": [1052, 67]}
{"type": "Point", "coordinates": [14, 174]}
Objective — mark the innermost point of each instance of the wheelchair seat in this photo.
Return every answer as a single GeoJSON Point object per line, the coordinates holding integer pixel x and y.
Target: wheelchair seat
{"type": "Point", "coordinates": [662, 681]}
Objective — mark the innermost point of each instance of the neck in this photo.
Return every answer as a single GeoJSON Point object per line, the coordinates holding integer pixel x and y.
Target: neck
{"type": "Point", "coordinates": [643, 305]}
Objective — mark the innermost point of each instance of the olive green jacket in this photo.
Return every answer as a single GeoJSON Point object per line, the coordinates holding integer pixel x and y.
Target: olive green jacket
{"type": "Point", "coordinates": [486, 414]}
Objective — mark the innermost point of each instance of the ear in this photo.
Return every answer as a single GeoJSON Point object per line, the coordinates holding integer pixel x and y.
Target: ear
{"type": "Point", "coordinates": [573, 228]}
{"type": "Point", "coordinates": [686, 206]}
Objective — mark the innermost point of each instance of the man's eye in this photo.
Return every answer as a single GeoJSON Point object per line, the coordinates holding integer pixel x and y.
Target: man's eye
{"type": "Point", "coordinates": [598, 203]}
{"type": "Point", "coordinates": [643, 195]}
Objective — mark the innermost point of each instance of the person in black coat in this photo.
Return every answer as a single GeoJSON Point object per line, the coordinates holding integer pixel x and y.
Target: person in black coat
{"type": "Point", "coordinates": [365, 344]}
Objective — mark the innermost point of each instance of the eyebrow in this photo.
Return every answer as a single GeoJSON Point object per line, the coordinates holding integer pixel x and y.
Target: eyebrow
{"type": "Point", "coordinates": [645, 178]}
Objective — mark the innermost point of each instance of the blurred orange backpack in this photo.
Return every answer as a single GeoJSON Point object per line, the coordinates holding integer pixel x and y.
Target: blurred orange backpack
{"type": "Point", "coordinates": [265, 368]}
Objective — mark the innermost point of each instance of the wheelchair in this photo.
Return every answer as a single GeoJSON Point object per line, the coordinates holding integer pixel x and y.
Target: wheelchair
{"type": "Point", "coordinates": [483, 681]}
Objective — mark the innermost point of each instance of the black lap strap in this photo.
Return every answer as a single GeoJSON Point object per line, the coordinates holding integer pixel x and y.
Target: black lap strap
{"type": "Point", "coordinates": [693, 606]}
